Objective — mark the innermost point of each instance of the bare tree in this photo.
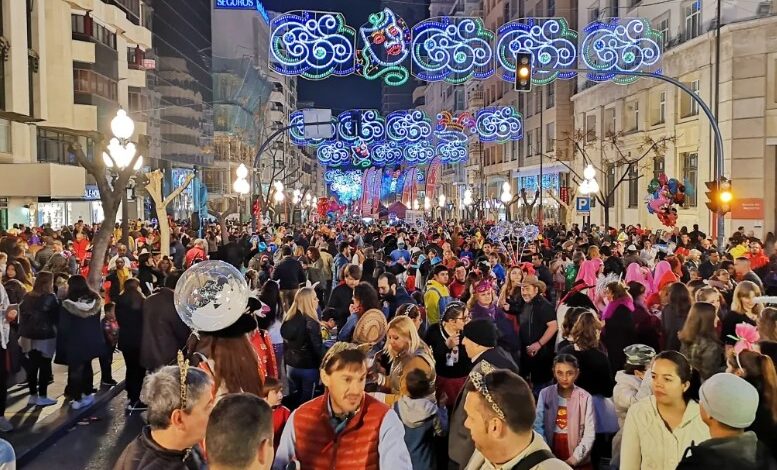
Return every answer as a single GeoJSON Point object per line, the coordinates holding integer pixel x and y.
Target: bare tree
{"type": "Point", "coordinates": [567, 210]}
{"type": "Point", "coordinates": [111, 185]}
{"type": "Point", "coordinates": [153, 183]}
{"type": "Point", "coordinates": [528, 207]}
{"type": "Point", "coordinates": [615, 160]}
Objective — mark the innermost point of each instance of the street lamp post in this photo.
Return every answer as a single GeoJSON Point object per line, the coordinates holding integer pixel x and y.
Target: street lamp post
{"type": "Point", "coordinates": [506, 197]}
{"type": "Point", "coordinates": [589, 185]}
{"type": "Point", "coordinates": [120, 153]}
{"type": "Point", "coordinates": [241, 187]}
{"type": "Point", "coordinates": [441, 203]}
{"type": "Point", "coordinates": [278, 196]}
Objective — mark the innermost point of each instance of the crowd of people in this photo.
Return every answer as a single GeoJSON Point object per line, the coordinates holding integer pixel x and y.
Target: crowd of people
{"type": "Point", "coordinates": [426, 346]}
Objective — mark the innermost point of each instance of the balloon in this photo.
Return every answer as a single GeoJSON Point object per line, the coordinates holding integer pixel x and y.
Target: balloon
{"type": "Point", "coordinates": [211, 295]}
{"type": "Point", "coordinates": [681, 188]}
{"type": "Point", "coordinates": [662, 179]}
{"type": "Point", "coordinates": [650, 209]}
{"type": "Point", "coordinates": [672, 184]}
{"type": "Point", "coordinates": [262, 246]}
{"type": "Point", "coordinates": [653, 186]}
{"type": "Point", "coordinates": [679, 198]}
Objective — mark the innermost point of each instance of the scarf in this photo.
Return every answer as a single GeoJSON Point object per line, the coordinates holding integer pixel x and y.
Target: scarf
{"type": "Point", "coordinates": [123, 275]}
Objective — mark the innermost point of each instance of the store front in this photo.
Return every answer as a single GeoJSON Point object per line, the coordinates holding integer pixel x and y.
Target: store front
{"type": "Point", "coordinates": [555, 178]}
{"type": "Point", "coordinates": [67, 212]}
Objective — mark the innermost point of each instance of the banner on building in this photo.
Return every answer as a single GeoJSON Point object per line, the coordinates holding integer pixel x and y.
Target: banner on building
{"type": "Point", "coordinates": [376, 183]}
{"type": "Point", "coordinates": [407, 189]}
{"type": "Point", "coordinates": [432, 174]}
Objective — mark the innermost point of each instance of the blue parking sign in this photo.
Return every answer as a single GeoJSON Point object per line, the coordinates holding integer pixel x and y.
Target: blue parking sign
{"type": "Point", "coordinates": [583, 204]}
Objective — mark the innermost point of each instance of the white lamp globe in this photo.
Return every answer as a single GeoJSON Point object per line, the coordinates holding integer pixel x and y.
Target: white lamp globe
{"type": "Point", "coordinates": [585, 187]}
{"type": "Point", "coordinates": [138, 163]}
{"type": "Point", "coordinates": [427, 204]}
{"type": "Point", "coordinates": [242, 171]}
{"type": "Point", "coordinates": [122, 125]}
{"type": "Point", "coordinates": [415, 205]}
{"type": "Point", "coordinates": [594, 186]}
{"type": "Point", "coordinates": [441, 200]}
{"type": "Point", "coordinates": [241, 186]}
{"type": "Point", "coordinates": [107, 160]}
{"type": "Point", "coordinates": [589, 173]}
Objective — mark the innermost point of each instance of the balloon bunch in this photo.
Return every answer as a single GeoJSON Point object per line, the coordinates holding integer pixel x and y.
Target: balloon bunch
{"type": "Point", "coordinates": [663, 193]}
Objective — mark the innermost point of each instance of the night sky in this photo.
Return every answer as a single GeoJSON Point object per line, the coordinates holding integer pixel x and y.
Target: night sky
{"type": "Point", "coordinates": [336, 93]}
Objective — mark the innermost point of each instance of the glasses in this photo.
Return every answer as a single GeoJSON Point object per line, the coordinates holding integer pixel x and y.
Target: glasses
{"type": "Point", "coordinates": [464, 318]}
{"type": "Point", "coordinates": [183, 368]}
{"type": "Point", "coordinates": [479, 379]}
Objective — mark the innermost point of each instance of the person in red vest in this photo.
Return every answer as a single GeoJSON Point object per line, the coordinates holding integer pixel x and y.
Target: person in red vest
{"type": "Point", "coordinates": [344, 428]}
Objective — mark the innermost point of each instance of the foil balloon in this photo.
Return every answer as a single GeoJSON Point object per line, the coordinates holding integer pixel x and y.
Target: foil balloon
{"type": "Point", "coordinates": [211, 295]}
{"type": "Point", "coordinates": [653, 186]}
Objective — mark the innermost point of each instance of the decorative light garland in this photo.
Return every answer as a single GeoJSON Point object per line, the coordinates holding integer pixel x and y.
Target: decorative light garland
{"type": "Point", "coordinates": [453, 152]}
{"type": "Point", "coordinates": [452, 128]}
{"type": "Point", "coordinates": [334, 153]}
{"type": "Point", "coordinates": [452, 49]}
{"type": "Point", "coordinates": [385, 46]}
{"type": "Point", "coordinates": [552, 44]}
{"type": "Point", "coordinates": [499, 124]}
{"type": "Point", "coordinates": [419, 153]}
{"type": "Point", "coordinates": [409, 126]}
{"type": "Point", "coordinates": [620, 45]}
{"type": "Point", "coordinates": [373, 126]}
{"type": "Point", "coordinates": [314, 45]}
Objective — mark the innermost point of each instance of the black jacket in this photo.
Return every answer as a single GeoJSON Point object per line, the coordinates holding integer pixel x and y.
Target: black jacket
{"type": "Point", "coordinates": [303, 347]}
{"type": "Point", "coordinates": [233, 253]}
{"type": "Point", "coordinates": [150, 278]}
{"type": "Point", "coordinates": [289, 273]}
{"type": "Point", "coordinates": [38, 316]}
{"type": "Point", "coordinates": [743, 452]}
{"type": "Point", "coordinates": [143, 453]}
{"type": "Point", "coordinates": [340, 300]}
{"type": "Point", "coordinates": [398, 300]}
{"type": "Point", "coordinates": [80, 336]}
{"type": "Point", "coordinates": [129, 314]}
{"type": "Point", "coordinates": [163, 331]}
{"type": "Point", "coordinates": [619, 331]}
{"type": "Point", "coordinates": [595, 376]}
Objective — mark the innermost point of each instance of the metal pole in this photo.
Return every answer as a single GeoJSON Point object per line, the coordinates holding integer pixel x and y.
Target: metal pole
{"type": "Point", "coordinates": [124, 218]}
{"type": "Point", "coordinates": [718, 220]}
{"type": "Point", "coordinates": [542, 151]}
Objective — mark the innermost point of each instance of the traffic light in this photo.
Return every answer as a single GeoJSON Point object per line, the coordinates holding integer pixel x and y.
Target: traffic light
{"type": "Point", "coordinates": [523, 71]}
{"type": "Point", "coordinates": [356, 120]}
{"type": "Point", "coordinates": [719, 196]}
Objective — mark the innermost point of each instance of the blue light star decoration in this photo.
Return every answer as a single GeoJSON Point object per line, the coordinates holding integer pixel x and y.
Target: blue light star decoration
{"type": "Point", "coordinates": [453, 152]}
{"type": "Point", "coordinates": [334, 153]}
{"type": "Point", "coordinates": [452, 128]}
{"type": "Point", "coordinates": [373, 127]}
{"type": "Point", "coordinates": [419, 153]}
{"type": "Point", "coordinates": [313, 45]}
{"type": "Point", "coordinates": [409, 126]}
{"type": "Point", "coordinates": [499, 124]}
{"type": "Point", "coordinates": [453, 49]}
{"type": "Point", "coordinates": [552, 44]}
{"type": "Point", "coordinates": [385, 45]}
{"type": "Point", "coordinates": [618, 45]}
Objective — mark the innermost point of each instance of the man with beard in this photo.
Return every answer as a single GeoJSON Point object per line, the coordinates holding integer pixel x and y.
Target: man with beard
{"type": "Point", "coordinates": [344, 428]}
{"type": "Point", "coordinates": [392, 294]}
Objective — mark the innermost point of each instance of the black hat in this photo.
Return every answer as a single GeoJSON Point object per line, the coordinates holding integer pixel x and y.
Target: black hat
{"type": "Point", "coordinates": [244, 324]}
{"type": "Point", "coordinates": [482, 332]}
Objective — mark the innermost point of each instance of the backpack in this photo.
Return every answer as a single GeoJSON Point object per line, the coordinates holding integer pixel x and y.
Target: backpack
{"type": "Point", "coordinates": [443, 302]}
{"type": "Point", "coordinates": [534, 459]}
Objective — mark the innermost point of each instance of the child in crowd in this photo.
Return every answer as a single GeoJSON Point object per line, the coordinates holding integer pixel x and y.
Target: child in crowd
{"type": "Point", "coordinates": [329, 327]}
{"type": "Point", "coordinates": [565, 415]}
{"type": "Point", "coordinates": [273, 390]}
{"type": "Point", "coordinates": [631, 384]}
{"type": "Point", "coordinates": [423, 419]}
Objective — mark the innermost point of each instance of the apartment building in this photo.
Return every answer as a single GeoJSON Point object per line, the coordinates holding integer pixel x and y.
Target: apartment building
{"type": "Point", "coordinates": [743, 92]}
{"type": "Point", "coordinates": [66, 67]}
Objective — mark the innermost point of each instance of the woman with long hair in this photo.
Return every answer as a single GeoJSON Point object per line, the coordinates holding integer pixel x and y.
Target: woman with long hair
{"type": "Point", "coordinates": [370, 324]}
{"type": "Point", "coordinates": [510, 295]}
{"type": "Point", "coordinates": [37, 336]}
{"type": "Point", "coordinates": [700, 341]}
{"type": "Point", "coordinates": [406, 351]}
{"type": "Point", "coordinates": [759, 370]}
{"type": "Point", "coordinates": [80, 339]}
{"type": "Point", "coordinates": [619, 330]}
{"type": "Point", "coordinates": [646, 325]}
{"type": "Point", "coordinates": [659, 428]}
{"type": "Point", "coordinates": [674, 314]}
{"type": "Point", "coordinates": [129, 315]}
{"type": "Point", "coordinates": [452, 365]}
{"type": "Point", "coordinates": [303, 346]}
{"type": "Point", "coordinates": [744, 309]}
{"type": "Point", "coordinates": [14, 270]}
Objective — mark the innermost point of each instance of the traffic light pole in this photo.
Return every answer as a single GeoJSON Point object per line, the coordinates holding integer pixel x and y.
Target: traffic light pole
{"type": "Point", "coordinates": [710, 116]}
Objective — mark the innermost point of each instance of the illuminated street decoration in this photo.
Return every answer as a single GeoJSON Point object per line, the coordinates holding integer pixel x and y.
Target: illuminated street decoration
{"type": "Point", "coordinates": [453, 129]}
{"type": "Point", "coordinates": [408, 126]}
{"type": "Point", "coordinates": [499, 124]}
{"type": "Point", "coordinates": [347, 185]}
{"type": "Point", "coordinates": [419, 153]}
{"type": "Point", "coordinates": [334, 153]}
{"type": "Point", "coordinates": [313, 45]}
{"type": "Point", "coordinates": [373, 127]}
{"type": "Point", "coordinates": [385, 42]}
{"type": "Point", "coordinates": [387, 154]}
{"type": "Point", "coordinates": [618, 45]}
{"type": "Point", "coordinates": [297, 132]}
{"type": "Point", "coordinates": [361, 155]}
{"type": "Point", "coordinates": [453, 152]}
{"type": "Point", "coordinates": [452, 49]}
{"type": "Point", "coordinates": [552, 44]}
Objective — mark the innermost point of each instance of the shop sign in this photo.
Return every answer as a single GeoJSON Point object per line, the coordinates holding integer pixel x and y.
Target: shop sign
{"type": "Point", "coordinates": [91, 192]}
{"type": "Point", "coordinates": [747, 208]}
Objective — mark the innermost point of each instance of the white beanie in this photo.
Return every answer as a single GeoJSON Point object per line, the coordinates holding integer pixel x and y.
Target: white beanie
{"type": "Point", "coordinates": [721, 390]}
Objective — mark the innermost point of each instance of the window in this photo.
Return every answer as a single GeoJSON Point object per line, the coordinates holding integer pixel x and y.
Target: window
{"type": "Point", "coordinates": [690, 177]}
{"type": "Point", "coordinates": [5, 136]}
{"type": "Point", "coordinates": [551, 100]}
{"type": "Point", "coordinates": [550, 139]}
{"type": "Point", "coordinates": [551, 9]}
{"type": "Point", "coordinates": [658, 108]}
{"type": "Point", "coordinates": [53, 147]}
{"type": "Point", "coordinates": [530, 143]}
{"type": "Point", "coordinates": [590, 127]}
{"type": "Point", "coordinates": [538, 101]}
{"type": "Point", "coordinates": [610, 184]}
{"type": "Point", "coordinates": [658, 166]}
{"type": "Point", "coordinates": [662, 107]}
{"type": "Point", "coordinates": [662, 26]}
{"type": "Point", "coordinates": [84, 27]}
{"type": "Point", "coordinates": [688, 106]}
{"type": "Point", "coordinates": [633, 186]}
{"type": "Point", "coordinates": [692, 19]}
{"type": "Point", "coordinates": [138, 102]}
{"type": "Point", "coordinates": [593, 12]}
{"type": "Point", "coordinates": [135, 57]}
{"type": "Point", "coordinates": [609, 122]}
{"type": "Point", "coordinates": [89, 81]}
{"type": "Point", "coordinates": [632, 116]}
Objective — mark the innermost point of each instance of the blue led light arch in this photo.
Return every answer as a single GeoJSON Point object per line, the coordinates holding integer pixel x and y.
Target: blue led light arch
{"type": "Point", "coordinates": [385, 47]}
{"type": "Point", "coordinates": [499, 124]}
{"type": "Point", "coordinates": [620, 45]}
{"type": "Point", "coordinates": [550, 40]}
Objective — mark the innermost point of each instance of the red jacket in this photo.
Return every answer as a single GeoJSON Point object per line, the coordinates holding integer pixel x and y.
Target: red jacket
{"type": "Point", "coordinates": [318, 448]}
{"type": "Point", "coordinates": [280, 414]}
{"type": "Point", "coordinates": [262, 344]}
{"type": "Point", "coordinates": [195, 253]}
{"type": "Point", "coordinates": [79, 248]}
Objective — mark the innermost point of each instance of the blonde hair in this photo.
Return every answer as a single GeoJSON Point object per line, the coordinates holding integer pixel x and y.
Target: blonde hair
{"type": "Point", "coordinates": [767, 324]}
{"type": "Point", "coordinates": [746, 288]}
{"type": "Point", "coordinates": [304, 302]}
{"type": "Point", "coordinates": [593, 252]}
{"type": "Point", "coordinates": [508, 287]}
{"type": "Point", "coordinates": [404, 325]}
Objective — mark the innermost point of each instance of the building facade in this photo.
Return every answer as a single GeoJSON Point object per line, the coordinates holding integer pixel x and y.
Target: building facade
{"type": "Point", "coordinates": [743, 92]}
{"type": "Point", "coordinates": [67, 66]}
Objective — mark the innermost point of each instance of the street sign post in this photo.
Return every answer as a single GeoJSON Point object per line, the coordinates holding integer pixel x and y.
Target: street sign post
{"type": "Point", "coordinates": [583, 205]}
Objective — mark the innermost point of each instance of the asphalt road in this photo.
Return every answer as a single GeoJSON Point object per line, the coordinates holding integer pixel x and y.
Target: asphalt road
{"type": "Point", "coordinates": [93, 444]}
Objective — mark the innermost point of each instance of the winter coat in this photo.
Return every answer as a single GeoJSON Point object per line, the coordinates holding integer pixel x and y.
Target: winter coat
{"type": "Point", "coordinates": [672, 321]}
{"type": "Point", "coordinates": [649, 445]}
{"type": "Point", "coordinates": [619, 331]}
{"type": "Point", "coordinates": [38, 316]}
{"type": "Point", "coordinates": [595, 376]}
{"type": "Point", "coordinates": [581, 429]}
{"type": "Point", "coordinates": [129, 314]}
{"type": "Point", "coordinates": [647, 326]}
{"type": "Point", "coordinates": [195, 254]}
{"type": "Point", "coordinates": [743, 452]}
{"type": "Point", "coordinates": [401, 298]}
{"type": "Point", "coordinates": [144, 453]}
{"type": "Point", "coordinates": [706, 356]}
{"type": "Point", "coordinates": [289, 273]}
{"type": "Point", "coordinates": [340, 300]}
{"type": "Point", "coordinates": [150, 279]}
{"type": "Point", "coordinates": [164, 333]}
{"type": "Point", "coordinates": [80, 337]}
{"type": "Point", "coordinates": [628, 390]}
{"type": "Point", "coordinates": [303, 347]}
{"type": "Point", "coordinates": [422, 420]}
